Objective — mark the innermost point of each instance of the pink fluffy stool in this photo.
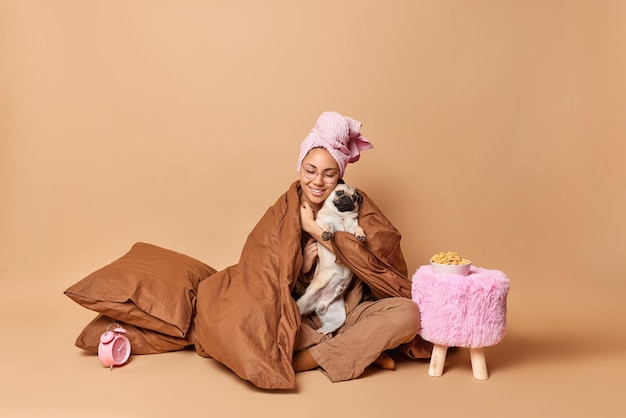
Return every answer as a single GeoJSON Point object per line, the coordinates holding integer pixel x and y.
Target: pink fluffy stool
{"type": "Point", "coordinates": [461, 311]}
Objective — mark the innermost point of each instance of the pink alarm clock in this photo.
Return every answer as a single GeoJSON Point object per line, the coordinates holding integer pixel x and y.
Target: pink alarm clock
{"type": "Point", "coordinates": [114, 347]}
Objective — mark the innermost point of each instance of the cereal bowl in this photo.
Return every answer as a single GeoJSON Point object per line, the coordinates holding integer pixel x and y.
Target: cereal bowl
{"type": "Point", "coordinates": [461, 269]}
{"type": "Point", "coordinates": [450, 262]}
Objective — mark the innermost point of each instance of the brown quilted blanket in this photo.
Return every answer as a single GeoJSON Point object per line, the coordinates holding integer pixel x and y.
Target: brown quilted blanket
{"type": "Point", "coordinates": [246, 317]}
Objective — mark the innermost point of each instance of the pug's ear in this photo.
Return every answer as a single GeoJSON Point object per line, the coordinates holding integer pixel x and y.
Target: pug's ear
{"type": "Point", "coordinates": [340, 181]}
{"type": "Point", "coordinates": [359, 198]}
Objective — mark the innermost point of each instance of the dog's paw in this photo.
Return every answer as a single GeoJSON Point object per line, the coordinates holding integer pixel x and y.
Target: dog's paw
{"type": "Point", "coordinates": [327, 235]}
{"type": "Point", "coordinates": [359, 233]}
{"type": "Point", "coordinates": [321, 309]}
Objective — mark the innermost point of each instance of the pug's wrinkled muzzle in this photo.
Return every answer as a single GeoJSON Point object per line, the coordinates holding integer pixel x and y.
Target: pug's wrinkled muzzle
{"type": "Point", "coordinates": [345, 203]}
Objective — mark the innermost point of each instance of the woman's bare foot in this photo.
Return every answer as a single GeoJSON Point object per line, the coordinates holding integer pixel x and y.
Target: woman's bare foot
{"type": "Point", "coordinates": [385, 361]}
{"type": "Point", "coordinates": [303, 360]}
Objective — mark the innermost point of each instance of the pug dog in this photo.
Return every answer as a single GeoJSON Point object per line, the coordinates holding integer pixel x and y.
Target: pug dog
{"type": "Point", "coordinates": [323, 295]}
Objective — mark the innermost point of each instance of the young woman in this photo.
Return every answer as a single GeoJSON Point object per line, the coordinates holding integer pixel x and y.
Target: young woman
{"type": "Point", "coordinates": [246, 315]}
{"type": "Point", "coordinates": [373, 324]}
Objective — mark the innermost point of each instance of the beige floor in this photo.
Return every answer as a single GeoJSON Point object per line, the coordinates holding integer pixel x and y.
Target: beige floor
{"type": "Point", "coordinates": [563, 355]}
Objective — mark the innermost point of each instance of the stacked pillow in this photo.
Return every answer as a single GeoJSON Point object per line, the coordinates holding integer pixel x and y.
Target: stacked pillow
{"type": "Point", "coordinates": [151, 291]}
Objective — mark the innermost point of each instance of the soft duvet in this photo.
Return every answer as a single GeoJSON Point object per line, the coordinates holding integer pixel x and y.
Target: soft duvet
{"type": "Point", "coordinates": [244, 315]}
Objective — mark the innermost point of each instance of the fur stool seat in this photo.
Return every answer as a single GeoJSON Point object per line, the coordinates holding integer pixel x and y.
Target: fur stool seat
{"type": "Point", "coordinates": [461, 311]}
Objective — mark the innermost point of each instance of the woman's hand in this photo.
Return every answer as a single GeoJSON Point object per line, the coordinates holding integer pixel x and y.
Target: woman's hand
{"type": "Point", "coordinates": [308, 225]}
{"type": "Point", "coordinates": [310, 254]}
{"type": "Point", "coordinates": [307, 219]}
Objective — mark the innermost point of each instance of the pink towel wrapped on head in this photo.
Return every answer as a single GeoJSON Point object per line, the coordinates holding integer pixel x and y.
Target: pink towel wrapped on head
{"type": "Point", "coordinates": [339, 135]}
{"type": "Point", "coordinates": [461, 311]}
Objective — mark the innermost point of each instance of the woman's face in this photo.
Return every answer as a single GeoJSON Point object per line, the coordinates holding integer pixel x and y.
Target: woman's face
{"type": "Point", "coordinates": [319, 175]}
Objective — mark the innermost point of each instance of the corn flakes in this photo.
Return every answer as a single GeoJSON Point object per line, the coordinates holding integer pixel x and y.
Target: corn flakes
{"type": "Point", "coordinates": [449, 257]}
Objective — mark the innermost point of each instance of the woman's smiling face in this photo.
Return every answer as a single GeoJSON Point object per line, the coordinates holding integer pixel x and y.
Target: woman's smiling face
{"type": "Point", "coordinates": [319, 175]}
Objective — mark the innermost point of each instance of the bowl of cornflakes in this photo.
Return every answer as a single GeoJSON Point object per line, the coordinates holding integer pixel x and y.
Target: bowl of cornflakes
{"type": "Point", "coordinates": [450, 262]}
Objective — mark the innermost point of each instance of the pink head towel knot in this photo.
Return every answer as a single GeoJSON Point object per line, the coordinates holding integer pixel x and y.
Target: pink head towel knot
{"type": "Point", "coordinates": [339, 135]}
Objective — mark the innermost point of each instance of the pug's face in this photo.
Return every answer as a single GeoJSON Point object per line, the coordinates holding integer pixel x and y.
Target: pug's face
{"type": "Point", "coordinates": [346, 198]}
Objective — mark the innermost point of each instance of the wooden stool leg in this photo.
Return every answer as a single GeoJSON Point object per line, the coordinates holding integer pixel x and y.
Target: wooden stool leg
{"type": "Point", "coordinates": [437, 360]}
{"type": "Point", "coordinates": [479, 364]}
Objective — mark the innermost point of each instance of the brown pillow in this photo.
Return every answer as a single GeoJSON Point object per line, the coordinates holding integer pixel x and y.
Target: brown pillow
{"type": "Point", "coordinates": [149, 287]}
{"type": "Point", "coordinates": [142, 341]}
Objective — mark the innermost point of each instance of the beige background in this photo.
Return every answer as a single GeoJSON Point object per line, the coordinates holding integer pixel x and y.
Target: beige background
{"type": "Point", "coordinates": [499, 130]}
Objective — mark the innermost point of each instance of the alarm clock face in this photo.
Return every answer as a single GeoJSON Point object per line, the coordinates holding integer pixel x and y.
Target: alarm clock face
{"type": "Point", "coordinates": [120, 350]}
